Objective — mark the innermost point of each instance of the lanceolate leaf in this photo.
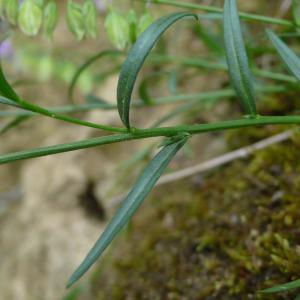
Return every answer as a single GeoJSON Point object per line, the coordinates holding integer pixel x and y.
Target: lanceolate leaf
{"type": "Point", "coordinates": [137, 195]}
{"type": "Point", "coordinates": [136, 58]}
{"type": "Point", "coordinates": [291, 60]}
{"type": "Point", "coordinates": [237, 58]}
{"type": "Point", "coordinates": [283, 287]}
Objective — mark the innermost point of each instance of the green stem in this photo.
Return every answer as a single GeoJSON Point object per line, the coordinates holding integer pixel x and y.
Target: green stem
{"type": "Point", "coordinates": [225, 125]}
{"type": "Point", "coordinates": [202, 63]}
{"type": "Point", "coordinates": [188, 98]}
{"type": "Point", "coordinates": [136, 134]}
{"type": "Point", "coordinates": [85, 65]}
{"type": "Point", "coordinates": [213, 9]}
{"type": "Point", "coordinates": [42, 111]}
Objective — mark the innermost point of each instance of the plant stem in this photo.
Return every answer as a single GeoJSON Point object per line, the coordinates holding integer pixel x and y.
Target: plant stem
{"type": "Point", "coordinates": [45, 112]}
{"type": "Point", "coordinates": [185, 98]}
{"type": "Point", "coordinates": [35, 109]}
{"type": "Point", "coordinates": [214, 9]}
{"type": "Point", "coordinates": [225, 125]}
{"type": "Point", "coordinates": [85, 65]}
{"type": "Point", "coordinates": [136, 134]}
{"type": "Point", "coordinates": [202, 63]}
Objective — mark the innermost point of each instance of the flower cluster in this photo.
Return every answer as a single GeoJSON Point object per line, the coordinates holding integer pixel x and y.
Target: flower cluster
{"type": "Point", "coordinates": [34, 16]}
{"type": "Point", "coordinates": [123, 30]}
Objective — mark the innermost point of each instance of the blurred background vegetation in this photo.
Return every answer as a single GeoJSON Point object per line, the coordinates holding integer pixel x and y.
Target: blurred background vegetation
{"type": "Point", "coordinates": [224, 234]}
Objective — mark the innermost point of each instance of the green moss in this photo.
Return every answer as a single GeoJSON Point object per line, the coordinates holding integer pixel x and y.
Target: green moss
{"type": "Point", "coordinates": [235, 234]}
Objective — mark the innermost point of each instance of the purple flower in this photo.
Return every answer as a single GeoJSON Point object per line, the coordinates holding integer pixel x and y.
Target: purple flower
{"type": "Point", "coordinates": [100, 5]}
{"type": "Point", "coordinates": [6, 49]}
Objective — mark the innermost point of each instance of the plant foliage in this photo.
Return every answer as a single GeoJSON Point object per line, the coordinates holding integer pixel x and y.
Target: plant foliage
{"type": "Point", "coordinates": [122, 31]}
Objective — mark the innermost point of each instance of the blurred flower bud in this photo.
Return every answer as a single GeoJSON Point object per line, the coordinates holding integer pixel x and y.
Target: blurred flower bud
{"type": "Point", "coordinates": [117, 29]}
{"type": "Point", "coordinates": [50, 18]}
{"type": "Point", "coordinates": [296, 11]}
{"type": "Point", "coordinates": [12, 10]}
{"type": "Point", "coordinates": [132, 20]}
{"type": "Point", "coordinates": [30, 17]}
{"type": "Point", "coordinates": [100, 5]}
{"type": "Point", "coordinates": [145, 21]}
{"type": "Point", "coordinates": [90, 18]}
{"type": "Point", "coordinates": [75, 20]}
{"type": "Point", "coordinates": [6, 49]}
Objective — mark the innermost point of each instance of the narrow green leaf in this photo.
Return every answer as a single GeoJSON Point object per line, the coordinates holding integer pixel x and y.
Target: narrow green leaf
{"type": "Point", "coordinates": [296, 11]}
{"type": "Point", "coordinates": [131, 203]}
{"type": "Point", "coordinates": [290, 59]}
{"type": "Point", "coordinates": [236, 57]}
{"type": "Point", "coordinates": [85, 65]}
{"type": "Point", "coordinates": [5, 88]}
{"type": "Point", "coordinates": [136, 58]}
{"type": "Point", "coordinates": [13, 123]}
{"type": "Point", "coordinates": [283, 287]}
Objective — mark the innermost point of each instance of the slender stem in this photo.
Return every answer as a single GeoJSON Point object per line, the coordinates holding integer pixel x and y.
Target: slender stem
{"type": "Point", "coordinates": [42, 111]}
{"type": "Point", "coordinates": [213, 9]}
{"type": "Point", "coordinates": [225, 125]}
{"type": "Point", "coordinates": [185, 98]}
{"type": "Point", "coordinates": [202, 63]}
{"type": "Point", "coordinates": [136, 134]}
{"type": "Point", "coordinates": [43, 151]}
{"type": "Point", "coordinates": [45, 112]}
{"type": "Point", "coordinates": [85, 65]}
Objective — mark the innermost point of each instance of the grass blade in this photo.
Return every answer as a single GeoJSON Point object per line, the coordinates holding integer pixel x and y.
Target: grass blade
{"type": "Point", "coordinates": [131, 203]}
{"type": "Point", "coordinates": [282, 287]}
{"type": "Point", "coordinates": [290, 59]}
{"type": "Point", "coordinates": [136, 58]}
{"type": "Point", "coordinates": [85, 65]}
{"type": "Point", "coordinates": [237, 60]}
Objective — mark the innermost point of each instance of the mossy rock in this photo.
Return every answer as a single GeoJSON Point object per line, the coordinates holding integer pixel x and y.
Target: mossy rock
{"type": "Point", "coordinates": [228, 237]}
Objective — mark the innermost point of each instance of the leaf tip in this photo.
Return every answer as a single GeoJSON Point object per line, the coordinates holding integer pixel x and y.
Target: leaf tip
{"type": "Point", "coordinates": [74, 277]}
